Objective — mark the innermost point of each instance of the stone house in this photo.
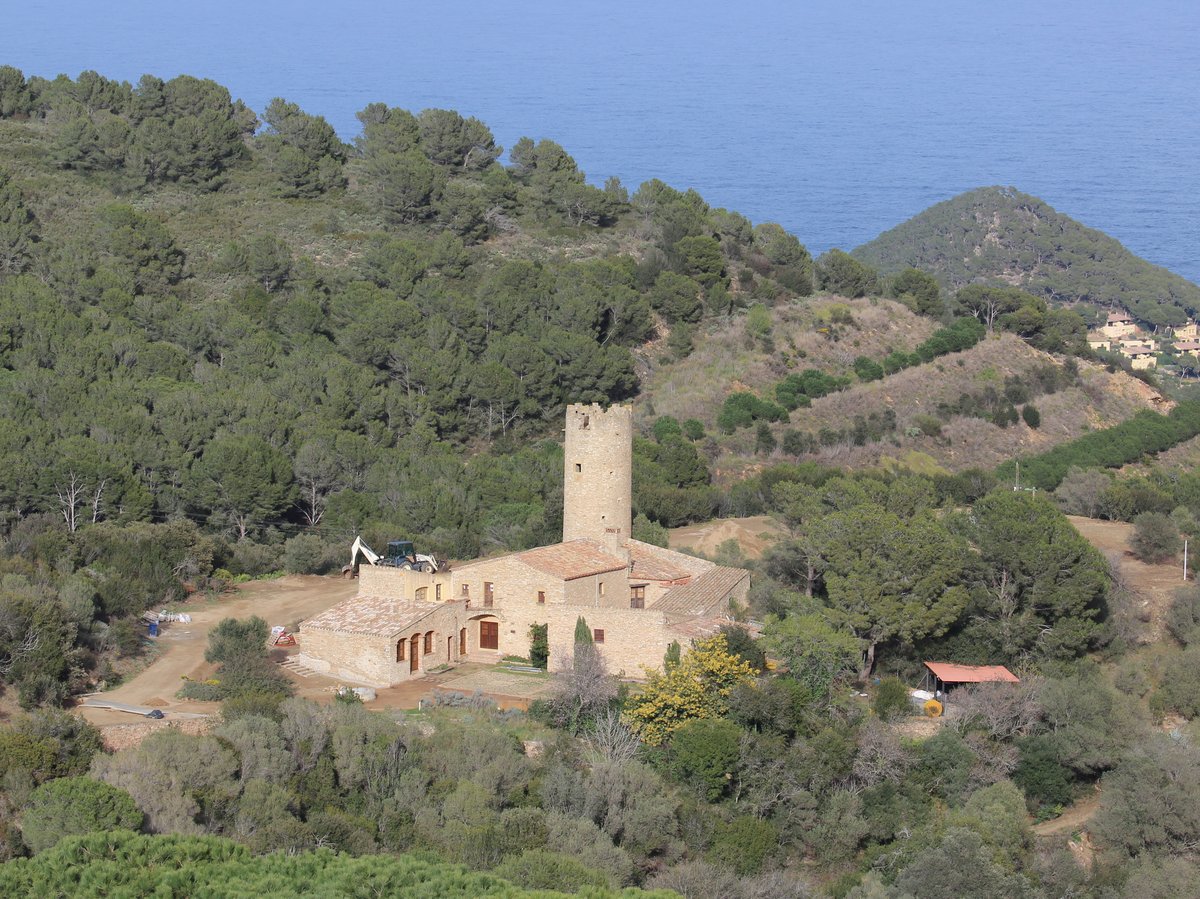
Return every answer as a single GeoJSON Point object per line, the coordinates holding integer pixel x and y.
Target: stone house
{"type": "Point", "coordinates": [1118, 325]}
{"type": "Point", "coordinates": [1190, 331]}
{"type": "Point", "coordinates": [1140, 355]}
{"type": "Point", "coordinates": [1187, 346]}
{"type": "Point", "coordinates": [636, 598]}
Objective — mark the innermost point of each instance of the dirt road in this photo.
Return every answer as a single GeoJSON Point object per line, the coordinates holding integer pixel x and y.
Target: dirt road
{"type": "Point", "coordinates": [1153, 586]}
{"type": "Point", "coordinates": [283, 601]}
{"type": "Point", "coordinates": [1073, 818]}
{"type": "Point", "coordinates": [752, 534]}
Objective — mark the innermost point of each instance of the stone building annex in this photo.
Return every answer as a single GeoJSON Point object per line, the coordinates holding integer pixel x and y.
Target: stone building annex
{"type": "Point", "coordinates": [636, 597]}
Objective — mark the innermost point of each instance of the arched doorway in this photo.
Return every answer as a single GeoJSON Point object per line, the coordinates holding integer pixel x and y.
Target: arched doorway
{"type": "Point", "coordinates": [413, 655]}
{"type": "Point", "coordinates": [462, 642]}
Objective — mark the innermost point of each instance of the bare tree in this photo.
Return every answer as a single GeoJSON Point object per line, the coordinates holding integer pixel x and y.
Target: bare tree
{"type": "Point", "coordinates": [97, 498]}
{"type": "Point", "coordinates": [880, 756]}
{"type": "Point", "coordinates": [583, 688]}
{"type": "Point", "coordinates": [70, 498]}
{"type": "Point", "coordinates": [610, 740]}
{"type": "Point", "coordinates": [1001, 710]}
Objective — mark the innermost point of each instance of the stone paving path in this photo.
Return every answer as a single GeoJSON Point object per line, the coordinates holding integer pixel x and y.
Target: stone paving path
{"type": "Point", "coordinates": [499, 682]}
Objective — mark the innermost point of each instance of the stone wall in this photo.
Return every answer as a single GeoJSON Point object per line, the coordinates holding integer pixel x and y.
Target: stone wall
{"type": "Point", "coordinates": [632, 637]}
{"type": "Point", "coordinates": [370, 659]}
{"type": "Point", "coordinates": [398, 583]}
{"type": "Point", "coordinates": [598, 473]}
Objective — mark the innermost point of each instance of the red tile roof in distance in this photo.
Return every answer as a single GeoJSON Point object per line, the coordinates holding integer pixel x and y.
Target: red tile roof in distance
{"type": "Point", "coordinates": [971, 674]}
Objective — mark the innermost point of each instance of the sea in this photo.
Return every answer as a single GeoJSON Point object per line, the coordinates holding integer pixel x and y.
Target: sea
{"type": "Point", "coordinates": [838, 119]}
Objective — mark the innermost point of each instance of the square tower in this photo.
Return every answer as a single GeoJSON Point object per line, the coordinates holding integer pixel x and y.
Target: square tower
{"type": "Point", "coordinates": [598, 473]}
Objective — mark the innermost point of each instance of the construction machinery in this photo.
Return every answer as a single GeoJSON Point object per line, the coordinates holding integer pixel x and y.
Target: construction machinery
{"type": "Point", "coordinates": [400, 554]}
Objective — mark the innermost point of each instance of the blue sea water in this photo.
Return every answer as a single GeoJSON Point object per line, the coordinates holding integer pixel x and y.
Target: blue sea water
{"type": "Point", "coordinates": [837, 118]}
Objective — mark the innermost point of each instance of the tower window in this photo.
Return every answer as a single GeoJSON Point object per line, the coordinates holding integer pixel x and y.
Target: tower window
{"type": "Point", "coordinates": [541, 597]}
{"type": "Point", "coordinates": [579, 466]}
{"type": "Point", "coordinates": [598, 635]}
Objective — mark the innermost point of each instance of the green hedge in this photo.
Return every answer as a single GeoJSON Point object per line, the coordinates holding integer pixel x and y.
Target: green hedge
{"type": "Point", "coordinates": [1146, 433]}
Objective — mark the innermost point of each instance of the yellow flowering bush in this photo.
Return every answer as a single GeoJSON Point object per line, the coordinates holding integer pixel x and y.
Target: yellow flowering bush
{"type": "Point", "coordinates": [698, 687]}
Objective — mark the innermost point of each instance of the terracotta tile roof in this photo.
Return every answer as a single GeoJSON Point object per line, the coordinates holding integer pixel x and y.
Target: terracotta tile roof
{"type": "Point", "coordinates": [372, 615]}
{"type": "Point", "coordinates": [971, 674]}
{"type": "Point", "coordinates": [1117, 317]}
{"type": "Point", "coordinates": [573, 559]}
{"type": "Point", "coordinates": [1136, 349]}
{"type": "Point", "coordinates": [705, 595]}
{"type": "Point", "coordinates": [653, 563]}
{"type": "Point", "coordinates": [1187, 346]}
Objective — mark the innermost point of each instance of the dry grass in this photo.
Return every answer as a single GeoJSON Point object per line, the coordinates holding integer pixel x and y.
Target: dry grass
{"type": "Point", "coordinates": [726, 359]}
{"type": "Point", "coordinates": [1101, 400]}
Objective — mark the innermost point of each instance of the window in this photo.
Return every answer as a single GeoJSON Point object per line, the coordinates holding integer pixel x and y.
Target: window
{"type": "Point", "coordinates": [489, 594]}
{"type": "Point", "coordinates": [541, 597]}
{"type": "Point", "coordinates": [598, 635]}
{"type": "Point", "coordinates": [466, 591]}
{"type": "Point", "coordinates": [428, 642]}
{"type": "Point", "coordinates": [437, 592]}
{"type": "Point", "coordinates": [579, 466]}
{"type": "Point", "coordinates": [637, 597]}
{"type": "Point", "coordinates": [400, 650]}
{"type": "Point", "coordinates": [489, 635]}
{"type": "Point", "coordinates": [602, 588]}
{"type": "Point", "coordinates": [422, 594]}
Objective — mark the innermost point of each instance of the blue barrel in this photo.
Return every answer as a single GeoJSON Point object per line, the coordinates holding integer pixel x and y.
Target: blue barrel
{"type": "Point", "coordinates": [153, 628]}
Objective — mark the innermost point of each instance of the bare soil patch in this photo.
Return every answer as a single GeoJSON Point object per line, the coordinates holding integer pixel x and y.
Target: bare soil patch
{"type": "Point", "coordinates": [753, 535]}
{"type": "Point", "coordinates": [1153, 586]}
{"type": "Point", "coordinates": [181, 646]}
{"type": "Point", "coordinates": [1073, 818]}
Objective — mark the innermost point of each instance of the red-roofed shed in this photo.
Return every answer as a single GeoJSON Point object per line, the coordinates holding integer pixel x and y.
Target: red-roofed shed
{"type": "Point", "coordinates": [947, 675]}
{"type": "Point", "coordinates": [951, 673]}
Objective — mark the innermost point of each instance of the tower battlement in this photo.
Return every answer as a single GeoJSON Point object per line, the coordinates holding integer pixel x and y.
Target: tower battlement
{"type": "Point", "coordinates": [598, 473]}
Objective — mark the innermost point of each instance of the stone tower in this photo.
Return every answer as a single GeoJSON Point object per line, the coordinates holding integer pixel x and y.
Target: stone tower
{"type": "Point", "coordinates": [598, 476]}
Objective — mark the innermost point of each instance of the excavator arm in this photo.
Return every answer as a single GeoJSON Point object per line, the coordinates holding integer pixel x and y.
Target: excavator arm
{"type": "Point", "coordinates": [359, 548]}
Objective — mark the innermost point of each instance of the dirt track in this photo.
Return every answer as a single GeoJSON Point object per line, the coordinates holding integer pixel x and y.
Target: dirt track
{"type": "Point", "coordinates": [752, 534]}
{"type": "Point", "coordinates": [181, 646]}
{"type": "Point", "coordinates": [1153, 586]}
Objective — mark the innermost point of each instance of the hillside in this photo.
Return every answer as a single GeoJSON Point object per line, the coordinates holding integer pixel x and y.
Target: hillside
{"type": "Point", "coordinates": [1000, 234]}
{"type": "Point", "coordinates": [255, 326]}
{"type": "Point", "coordinates": [802, 336]}
{"type": "Point", "coordinates": [939, 413]}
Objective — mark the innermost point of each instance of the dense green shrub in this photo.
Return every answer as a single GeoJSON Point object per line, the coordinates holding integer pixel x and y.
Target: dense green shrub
{"type": "Point", "coordinates": [744, 844]}
{"type": "Point", "coordinates": [74, 806]}
{"type": "Point", "coordinates": [891, 699]}
{"type": "Point", "coordinates": [740, 410]}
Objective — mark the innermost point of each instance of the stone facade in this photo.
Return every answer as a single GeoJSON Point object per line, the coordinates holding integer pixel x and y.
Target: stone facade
{"type": "Point", "coordinates": [1118, 325]}
{"type": "Point", "coordinates": [598, 473]}
{"type": "Point", "coordinates": [636, 598]}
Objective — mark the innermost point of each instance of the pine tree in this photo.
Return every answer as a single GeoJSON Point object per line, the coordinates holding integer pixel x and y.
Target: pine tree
{"type": "Point", "coordinates": [18, 228]}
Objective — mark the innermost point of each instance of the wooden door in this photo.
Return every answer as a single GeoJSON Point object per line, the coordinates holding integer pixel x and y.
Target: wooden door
{"type": "Point", "coordinates": [489, 635]}
{"type": "Point", "coordinates": [462, 642]}
{"type": "Point", "coordinates": [413, 655]}
{"type": "Point", "coordinates": [449, 648]}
